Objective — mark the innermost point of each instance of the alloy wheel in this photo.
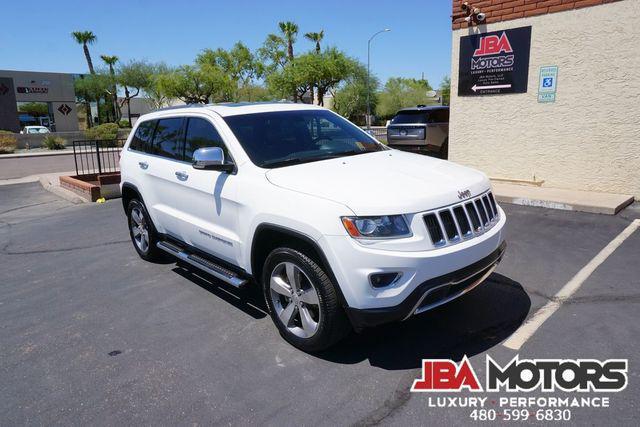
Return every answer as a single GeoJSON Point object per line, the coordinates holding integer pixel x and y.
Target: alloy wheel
{"type": "Point", "coordinates": [139, 230]}
{"type": "Point", "coordinates": [295, 299]}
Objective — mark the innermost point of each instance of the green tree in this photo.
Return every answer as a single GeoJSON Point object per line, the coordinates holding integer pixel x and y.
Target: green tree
{"type": "Point", "coordinates": [335, 67]}
{"type": "Point", "coordinates": [289, 31]}
{"type": "Point", "coordinates": [400, 92]}
{"type": "Point", "coordinates": [156, 97]}
{"type": "Point", "coordinates": [196, 84]}
{"type": "Point", "coordinates": [350, 100]}
{"type": "Point", "coordinates": [85, 38]}
{"type": "Point", "coordinates": [273, 53]}
{"type": "Point", "coordinates": [239, 63]}
{"type": "Point", "coordinates": [134, 77]}
{"type": "Point", "coordinates": [316, 38]}
{"type": "Point", "coordinates": [115, 111]}
{"type": "Point", "coordinates": [90, 88]}
{"type": "Point", "coordinates": [325, 71]}
{"type": "Point", "coordinates": [445, 90]}
{"type": "Point", "coordinates": [254, 92]}
{"type": "Point", "coordinates": [36, 109]}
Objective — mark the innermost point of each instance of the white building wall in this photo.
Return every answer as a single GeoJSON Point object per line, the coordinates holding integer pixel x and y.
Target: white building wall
{"type": "Point", "coordinates": [589, 139]}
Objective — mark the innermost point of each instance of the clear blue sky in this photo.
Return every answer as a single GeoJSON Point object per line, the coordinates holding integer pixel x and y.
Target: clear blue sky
{"type": "Point", "coordinates": [35, 35]}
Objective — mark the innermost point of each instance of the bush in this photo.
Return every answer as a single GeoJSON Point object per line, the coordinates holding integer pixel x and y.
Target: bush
{"type": "Point", "coordinates": [54, 142]}
{"type": "Point", "coordinates": [103, 131]}
{"type": "Point", "coordinates": [124, 124]}
{"type": "Point", "coordinates": [8, 142]}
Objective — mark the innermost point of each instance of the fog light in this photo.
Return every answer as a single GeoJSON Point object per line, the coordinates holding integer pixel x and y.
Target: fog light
{"type": "Point", "coordinates": [380, 280]}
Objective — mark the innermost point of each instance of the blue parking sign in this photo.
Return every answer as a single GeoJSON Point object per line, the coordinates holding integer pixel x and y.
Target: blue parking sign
{"type": "Point", "coordinates": [548, 83]}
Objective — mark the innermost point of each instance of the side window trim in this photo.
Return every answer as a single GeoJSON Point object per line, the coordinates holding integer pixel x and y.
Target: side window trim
{"type": "Point", "coordinates": [183, 139]}
{"type": "Point", "coordinates": [180, 136]}
{"type": "Point", "coordinates": [147, 144]}
{"type": "Point", "coordinates": [222, 139]}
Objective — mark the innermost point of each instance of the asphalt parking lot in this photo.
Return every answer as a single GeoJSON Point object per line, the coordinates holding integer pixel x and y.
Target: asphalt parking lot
{"type": "Point", "coordinates": [91, 334]}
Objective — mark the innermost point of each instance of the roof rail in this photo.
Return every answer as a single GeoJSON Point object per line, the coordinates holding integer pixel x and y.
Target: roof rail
{"type": "Point", "coordinates": [177, 107]}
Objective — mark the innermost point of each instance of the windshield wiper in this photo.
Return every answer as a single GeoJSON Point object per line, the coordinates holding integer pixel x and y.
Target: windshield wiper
{"type": "Point", "coordinates": [300, 160]}
{"type": "Point", "coordinates": [284, 162]}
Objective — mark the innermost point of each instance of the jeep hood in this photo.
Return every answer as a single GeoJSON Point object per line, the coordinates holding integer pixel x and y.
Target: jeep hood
{"type": "Point", "coordinates": [382, 183]}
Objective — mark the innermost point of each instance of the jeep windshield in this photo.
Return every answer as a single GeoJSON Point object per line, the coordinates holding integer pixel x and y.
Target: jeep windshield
{"type": "Point", "coordinates": [407, 117]}
{"type": "Point", "coordinates": [284, 138]}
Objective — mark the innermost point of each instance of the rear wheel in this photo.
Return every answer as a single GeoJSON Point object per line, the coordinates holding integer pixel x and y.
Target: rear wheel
{"type": "Point", "coordinates": [142, 232]}
{"type": "Point", "coordinates": [302, 301]}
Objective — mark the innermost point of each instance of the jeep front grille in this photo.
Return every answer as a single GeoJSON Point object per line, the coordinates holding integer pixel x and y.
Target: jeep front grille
{"type": "Point", "coordinates": [462, 221]}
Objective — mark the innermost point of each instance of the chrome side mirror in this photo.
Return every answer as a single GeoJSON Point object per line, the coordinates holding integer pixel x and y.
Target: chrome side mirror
{"type": "Point", "coordinates": [211, 158]}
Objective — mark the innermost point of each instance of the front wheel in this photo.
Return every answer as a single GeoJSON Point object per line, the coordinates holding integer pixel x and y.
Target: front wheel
{"type": "Point", "coordinates": [142, 232]}
{"type": "Point", "coordinates": [302, 301]}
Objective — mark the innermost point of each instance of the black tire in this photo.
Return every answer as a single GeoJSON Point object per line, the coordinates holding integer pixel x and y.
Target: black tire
{"type": "Point", "coordinates": [332, 324]}
{"type": "Point", "coordinates": [151, 251]}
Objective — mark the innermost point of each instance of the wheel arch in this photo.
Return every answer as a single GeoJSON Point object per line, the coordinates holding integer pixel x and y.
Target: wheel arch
{"type": "Point", "coordinates": [268, 237]}
{"type": "Point", "coordinates": [129, 192]}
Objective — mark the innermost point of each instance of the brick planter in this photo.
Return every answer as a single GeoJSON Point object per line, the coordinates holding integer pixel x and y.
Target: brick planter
{"type": "Point", "coordinates": [91, 187]}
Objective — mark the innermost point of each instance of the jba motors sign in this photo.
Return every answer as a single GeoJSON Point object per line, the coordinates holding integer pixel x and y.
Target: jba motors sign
{"type": "Point", "coordinates": [494, 63]}
{"type": "Point", "coordinates": [547, 375]}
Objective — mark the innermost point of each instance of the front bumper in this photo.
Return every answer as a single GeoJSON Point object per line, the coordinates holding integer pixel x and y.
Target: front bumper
{"type": "Point", "coordinates": [430, 294]}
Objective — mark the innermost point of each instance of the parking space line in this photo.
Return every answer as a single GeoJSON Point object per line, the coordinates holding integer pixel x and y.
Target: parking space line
{"type": "Point", "coordinates": [525, 331]}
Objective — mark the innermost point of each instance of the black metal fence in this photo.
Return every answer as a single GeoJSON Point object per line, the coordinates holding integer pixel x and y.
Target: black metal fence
{"type": "Point", "coordinates": [97, 156]}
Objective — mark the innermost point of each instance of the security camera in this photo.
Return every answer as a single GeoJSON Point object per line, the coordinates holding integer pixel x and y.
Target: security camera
{"type": "Point", "coordinates": [481, 16]}
{"type": "Point", "coordinates": [465, 6]}
{"type": "Point", "coordinates": [467, 18]}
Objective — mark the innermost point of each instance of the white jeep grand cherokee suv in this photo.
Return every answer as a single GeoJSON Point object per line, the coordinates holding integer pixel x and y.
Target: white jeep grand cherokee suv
{"type": "Point", "coordinates": [336, 228]}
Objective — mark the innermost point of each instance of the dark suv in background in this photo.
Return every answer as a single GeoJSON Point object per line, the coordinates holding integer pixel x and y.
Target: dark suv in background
{"type": "Point", "coordinates": [422, 129]}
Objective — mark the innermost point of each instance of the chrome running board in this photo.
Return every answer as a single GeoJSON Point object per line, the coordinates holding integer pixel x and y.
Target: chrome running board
{"type": "Point", "coordinates": [203, 264]}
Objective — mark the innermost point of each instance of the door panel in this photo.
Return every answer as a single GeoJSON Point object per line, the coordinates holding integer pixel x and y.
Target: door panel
{"type": "Point", "coordinates": [208, 202]}
{"type": "Point", "coordinates": [209, 213]}
{"type": "Point", "coordinates": [163, 164]}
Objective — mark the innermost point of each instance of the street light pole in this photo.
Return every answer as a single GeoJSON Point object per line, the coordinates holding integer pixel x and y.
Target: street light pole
{"type": "Point", "coordinates": [386, 30]}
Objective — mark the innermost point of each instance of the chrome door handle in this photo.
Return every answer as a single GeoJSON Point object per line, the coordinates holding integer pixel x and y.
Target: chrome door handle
{"type": "Point", "coordinates": [143, 165]}
{"type": "Point", "coordinates": [182, 176]}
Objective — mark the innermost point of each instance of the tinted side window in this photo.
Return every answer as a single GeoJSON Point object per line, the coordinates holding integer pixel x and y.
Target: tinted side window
{"type": "Point", "coordinates": [167, 140]}
{"type": "Point", "coordinates": [141, 140]}
{"type": "Point", "coordinates": [439, 116]}
{"type": "Point", "coordinates": [200, 134]}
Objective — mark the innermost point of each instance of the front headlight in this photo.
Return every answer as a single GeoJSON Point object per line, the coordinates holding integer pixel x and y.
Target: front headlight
{"type": "Point", "coordinates": [376, 227]}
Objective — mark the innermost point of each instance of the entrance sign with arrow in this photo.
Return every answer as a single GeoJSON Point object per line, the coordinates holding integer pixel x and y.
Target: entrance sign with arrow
{"type": "Point", "coordinates": [494, 63]}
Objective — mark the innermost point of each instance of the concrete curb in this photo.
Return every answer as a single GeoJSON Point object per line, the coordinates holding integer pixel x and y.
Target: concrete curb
{"type": "Point", "coordinates": [555, 198]}
{"type": "Point", "coordinates": [65, 152]}
{"type": "Point", "coordinates": [51, 182]}
{"type": "Point", "coordinates": [23, 180]}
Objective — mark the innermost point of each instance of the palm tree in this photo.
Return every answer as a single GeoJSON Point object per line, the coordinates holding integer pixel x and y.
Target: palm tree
{"type": "Point", "coordinates": [289, 31]}
{"type": "Point", "coordinates": [85, 38]}
{"type": "Point", "coordinates": [111, 60]}
{"type": "Point", "coordinates": [315, 37]}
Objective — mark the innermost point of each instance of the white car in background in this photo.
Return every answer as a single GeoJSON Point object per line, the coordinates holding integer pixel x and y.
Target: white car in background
{"type": "Point", "coordinates": [35, 129]}
{"type": "Point", "coordinates": [337, 229]}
